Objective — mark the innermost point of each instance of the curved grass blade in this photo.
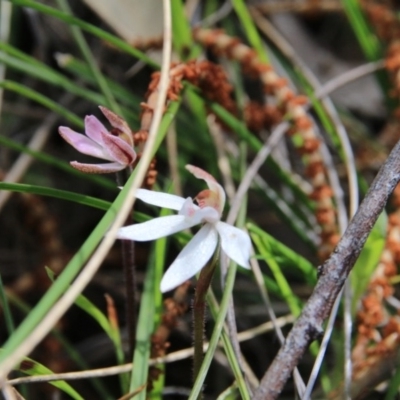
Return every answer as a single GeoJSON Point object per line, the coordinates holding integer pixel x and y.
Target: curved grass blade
{"type": "Point", "coordinates": [56, 193]}
{"type": "Point", "coordinates": [369, 42]}
{"type": "Point", "coordinates": [251, 31]}
{"type": "Point", "coordinates": [87, 54]}
{"type": "Point", "coordinates": [160, 248]}
{"type": "Point", "coordinates": [229, 351]}
{"type": "Point", "coordinates": [366, 37]}
{"type": "Point", "coordinates": [143, 334]}
{"type": "Point", "coordinates": [182, 33]}
{"type": "Point", "coordinates": [55, 162]}
{"type": "Point", "coordinates": [368, 260]}
{"type": "Point", "coordinates": [34, 368]}
{"type": "Point", "coordinates": [43, 100]}
{"type": "Point", "coordinates": [100, 33]}
{"type": "Point", "coordinates": [292, 300]}
{"type": "Point", "coordinates": [216, 335]}
{"type": "Point", "coordinates": [80, 69]}
{"type": "Point", "coordinates": [284, 255]}
{"type": "Point", "coordinates": [73, 354]}
{"type": "Point", "coordinates": [80, 258]}
{"type": "Point", "coordinates": [92, 310]}
{"type": "Point", "coordinates": [47, 74]}
{"type": "Point", "coordinates": [8, 318]}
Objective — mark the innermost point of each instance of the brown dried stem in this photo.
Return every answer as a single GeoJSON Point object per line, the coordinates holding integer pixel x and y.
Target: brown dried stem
{"type": "Point", "coordinates": [333, 274]}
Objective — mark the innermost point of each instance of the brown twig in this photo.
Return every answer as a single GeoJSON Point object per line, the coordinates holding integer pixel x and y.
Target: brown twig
{"type": "Point", "coordinates": [333, 274]}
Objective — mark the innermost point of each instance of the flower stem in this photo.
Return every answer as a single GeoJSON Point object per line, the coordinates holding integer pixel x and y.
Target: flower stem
{"type": "Point", "coordinates": [199, 306]}
{"type": "Point", "coordinates": [128, 251]}
{"type": "Point", "coordinates": [129, 270]}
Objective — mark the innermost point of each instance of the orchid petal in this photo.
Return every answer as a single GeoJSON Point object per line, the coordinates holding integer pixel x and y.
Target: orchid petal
{"type": "Point", "coordinates": [82, 143]}
{"type": "Point", "coordinates": [97, 168]}
{"type": "Point", "coordinates": [191, 259]}
{"type": "Point", "coordinates": [211, 183]}
{"type": "Point", "coordinates": [118, 149]}
{"type": "Point", "coordinates": [159, 199]}
{"type": "Point", "coordinates": [156, 228]}
{"type": "Point", "coordinates": [116, 121]}
{"type": "Point", "coordinates": [94, 128]}
{"type": "Point", "coordinates": [235, 243]}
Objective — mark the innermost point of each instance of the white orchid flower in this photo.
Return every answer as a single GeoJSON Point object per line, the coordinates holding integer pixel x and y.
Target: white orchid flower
{"type": "Point", "coordinates": [115, 146]}
{"type": "Point", "coordinates": [234, 242]}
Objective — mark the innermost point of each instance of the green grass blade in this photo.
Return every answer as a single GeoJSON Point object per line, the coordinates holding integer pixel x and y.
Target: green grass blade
{"type": "Point", "coordinates": [87, 54]}
{"type": "Point", "coordinates": [112, 332]}
{"type": "Point", "coordinates": [82, 71]}
{"type": "Point", "coordinates": [77, 198]}
{"type": "Point", "coordinates": [56, 193]}
{"type": "Point", "coordinates": [144, 331]}
{"type": "Point", "coordinates": [182, 32]}
{"type": "Point", "coordinates": [47, 74]}
{"type": "Point", "coordinates": [285, 256]}
{"type": "Point", "coordinates": [100, 33]}
{"type": "Point", "coordinates": [73, 354]}
{"type": "Point", "coordinates": [80, 258]}
{"type": "Point", "coordinates": [55, 162]}
{"type": "Point", "coordinates": [91, 309]}
{"type": "Point", "coordinates": [287, 214]}
{"type": "Point", "coordinates": [160, 250]}
{"type": "Point", "coordinates": [216, 335]}
{"type": "Point", "coordinates": [43, 100]}
{"type": "Point", "coordinates": [392, 392]}
{"type": "Point", "coordinates": [250, 29]}
{"type": "Point", "coordinates": [368, 260]}
{"type": "Point", "coordinates": [229, 351]}
{"type": "Point", "coordinates": [230, 393]}
{"type": "Point", "coordinates": [8, 318]}
{"type": "Point", "coordinates": [369, 42]}
{"type": "Point", "coordinates": [34, 368]}
{"type": "Point", "coordinates": [241, 130]}
{"type": "Point", "coordinates": [151, 304]}
{"type": "Point", "coordinates": [366, 37]}
{"type": "Point", "coordinates": [266, 253]}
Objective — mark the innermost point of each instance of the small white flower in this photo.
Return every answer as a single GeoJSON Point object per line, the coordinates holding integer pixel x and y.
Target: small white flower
{"type": "Point", "coordinates": [234, 242]}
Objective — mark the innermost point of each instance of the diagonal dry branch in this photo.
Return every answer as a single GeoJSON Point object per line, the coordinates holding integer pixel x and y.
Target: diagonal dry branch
{"type": "Point", "coordinates": [333, 274]}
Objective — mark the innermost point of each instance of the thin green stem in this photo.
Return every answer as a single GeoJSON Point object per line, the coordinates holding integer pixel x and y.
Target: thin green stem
{"type": "Point", "coordinates": [92, 29]}
{"type": "Point", "coordinates": [6, 309]}
{"type": "Point", "coordinates": [251, 32]}
{"type": "Point", "coordinates": [216, 335]}
{"type": "Point", "coordinates": [87, 54]}
{"type": "Point", "coordinates": [199, 306]}
{"type": "Point", "coordinates": [128, 263]}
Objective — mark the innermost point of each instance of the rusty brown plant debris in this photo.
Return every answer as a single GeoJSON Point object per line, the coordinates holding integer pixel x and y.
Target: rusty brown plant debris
{"type": "Point", "coordinates": [333, 274]}
{"type": "Point", "coordinates": [372, 342]}
{"type": "Point", "coordinates": [383, 18]}
{"type": "Point", "coordinates": [261, 116]}
{"type": "Point", "coordinates": [208, 77]}
{"type": "Point", "coordinates": [38, 218]}
{"type": "Point", "coordinates": [293, 106]}
{"type": "Point", "coordinates": [378, 330]}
